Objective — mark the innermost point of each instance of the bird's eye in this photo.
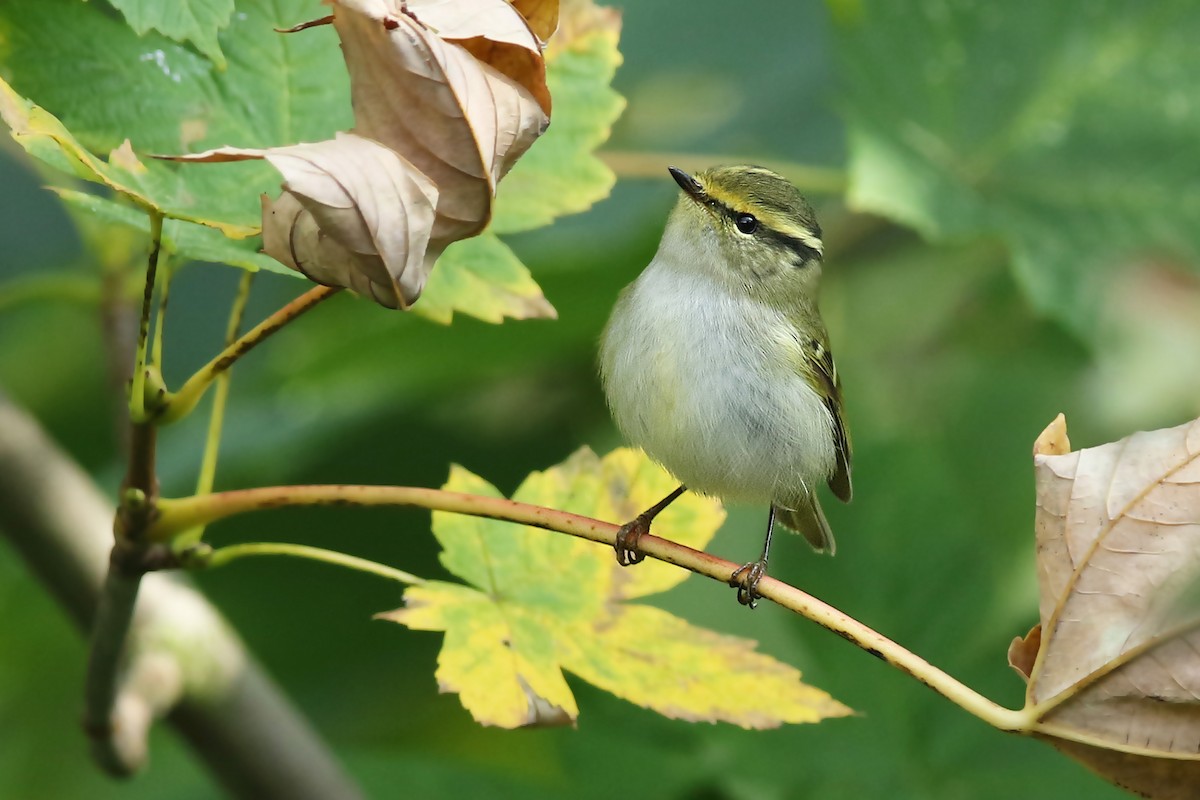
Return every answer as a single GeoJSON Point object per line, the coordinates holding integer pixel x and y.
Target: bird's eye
{"type": "Point", "coordinates": [746, 223]}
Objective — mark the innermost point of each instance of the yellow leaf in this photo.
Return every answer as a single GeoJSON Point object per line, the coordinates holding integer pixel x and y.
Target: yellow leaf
{"type": "Point", "coordinates": [632, 483]}
{"type": "Point", "coordinates": [496, 680]}
{"type": "Point", "coordinates": [542, 16]}
{"type": "Point", "coordinates": [540, 604]}
{"type": "Point", "coordinates": [659, 661]}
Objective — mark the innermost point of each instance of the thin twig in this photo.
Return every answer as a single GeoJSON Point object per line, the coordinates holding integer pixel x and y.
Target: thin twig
{"type": "Point", "coordinates": [180, 514]}
{"type": "Point", "coordinates": [160, 320]}
{"type": "Point", "coordinates": [176, 515]}
{"type": "Point", "coordinates": [224, 555]}
{"type": "Point", "coordinates": [216, 420]}
{"type": "Point", "coordinates": [137, 392]}
{"type": "Point", "coordinates": [121, 751]}
{"type": "Point", "coordinates": [184, 400]}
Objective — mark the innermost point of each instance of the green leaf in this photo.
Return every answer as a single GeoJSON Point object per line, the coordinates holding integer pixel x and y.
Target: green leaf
{"type": "Point", "coordinates": [561, 173]}
{"type": "Point", "coordinates": [44, 137]}
{"type": "Point", "coordinates": [186, 240]}
{"type": "Point", "coordinates": [482, 277]}
{"type": "Point", "coordinates": [541, 603]}
{"type": "Point", "coordinates": [165, 98]}
{"type": "Point", "coordinates": [196, 21]}
{"type": "Point", "coordinates": [1076, 149]}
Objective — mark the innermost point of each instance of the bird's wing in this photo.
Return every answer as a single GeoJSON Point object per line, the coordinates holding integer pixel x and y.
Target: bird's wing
{"type": "Point", "coordinates": [829, 385]}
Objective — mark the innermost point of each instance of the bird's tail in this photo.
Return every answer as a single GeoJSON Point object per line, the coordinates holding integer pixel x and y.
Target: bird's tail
{"type": "Point", "coordinates": [804, 516]}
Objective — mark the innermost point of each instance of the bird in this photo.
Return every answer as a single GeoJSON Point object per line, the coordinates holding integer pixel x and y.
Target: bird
{"type": "Point", "coordinates": [716, 361]}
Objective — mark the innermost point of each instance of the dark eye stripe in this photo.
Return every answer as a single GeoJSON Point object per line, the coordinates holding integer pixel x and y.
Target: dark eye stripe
{"type": "Point", "coordinates": [782, 210]}
{"type": "Point", "coordinates": [803, 252]}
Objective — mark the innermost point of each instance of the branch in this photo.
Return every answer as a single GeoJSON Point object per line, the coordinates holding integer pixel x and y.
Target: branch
{"type": "Point", "coordinates": [137, 392]}
{"type": "Point", "coordinates": [117, 717]}
{"type": "Point", "coordinates": [216, 419]}
{"type": "Point", "coordinates": [177, 515]}
{"type": "Point", "coordinates": [241, 726]}
{"type": "Point", "coordinates": [183, 401]}
{"type": "Point", "coordinates": [232, 552]}
{"type": "Point", "coordinates": [180, 514]}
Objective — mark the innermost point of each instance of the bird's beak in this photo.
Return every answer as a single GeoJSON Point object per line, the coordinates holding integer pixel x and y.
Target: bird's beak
{"type": "Point", "coordinates": [690, 185]}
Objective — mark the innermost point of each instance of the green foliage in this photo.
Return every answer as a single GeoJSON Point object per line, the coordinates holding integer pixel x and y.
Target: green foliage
{"type": "Point", "coordinates": [197, 242]}
{"type": "Point", "coordinates": [44, 137]}
{"type": "Point", "coordinates": [196, 21]}
{"type": "Point", "coordinates": [164, 98]}
{"type": "Point", "coordinates": [562, 175]}
{"type": "Point", "coordinates": [1033, 127]}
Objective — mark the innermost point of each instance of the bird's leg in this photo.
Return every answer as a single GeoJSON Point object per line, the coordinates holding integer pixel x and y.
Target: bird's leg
{"type": "Point", "coordinates": [747, 576]}
{"type": "Point", "coordinates": [627, 537]}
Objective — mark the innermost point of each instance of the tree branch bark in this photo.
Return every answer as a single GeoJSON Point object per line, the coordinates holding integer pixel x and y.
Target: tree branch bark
{"type": "Point", "coordinates": [239, 723]}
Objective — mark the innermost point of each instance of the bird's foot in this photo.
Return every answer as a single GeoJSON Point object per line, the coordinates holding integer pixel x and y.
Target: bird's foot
{"type": "Point", "coordinates": [627, 541]}
{"type": "Point", "coordinates": [746, 579]}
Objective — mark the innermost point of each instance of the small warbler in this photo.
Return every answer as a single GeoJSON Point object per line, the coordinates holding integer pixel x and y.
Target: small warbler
{"type": "Point", "coordinates": [716, 361]}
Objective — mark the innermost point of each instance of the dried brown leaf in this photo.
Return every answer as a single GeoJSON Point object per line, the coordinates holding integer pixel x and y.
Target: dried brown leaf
{"type": "Point", "coordinates": [1159, 778]}
{"type": "Point", "coordinates": [353, 213]}
{"type": "Point", "coordinates": [447, 95]}
{"type": "Point", "coordinates": [459, 121]}
{"type": "Point", "coordinates": [542, 16]}
{"type": "Point", "coordinates": [1053, 441]}
{"type": "Point", "coordinates": [494, 32]}
{"type": "Point", "coordinates": [1118, 670]}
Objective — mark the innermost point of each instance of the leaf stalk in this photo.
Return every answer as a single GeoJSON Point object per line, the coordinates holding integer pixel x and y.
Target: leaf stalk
{"type": "Point", "coordinates": [181, 403]}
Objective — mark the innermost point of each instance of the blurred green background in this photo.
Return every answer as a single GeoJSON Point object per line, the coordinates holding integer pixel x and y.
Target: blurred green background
{"type": "Point", "coordinates": [1040, 170]}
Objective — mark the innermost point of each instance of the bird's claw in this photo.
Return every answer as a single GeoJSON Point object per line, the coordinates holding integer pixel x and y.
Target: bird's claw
{"type": "Point", "coordinates": [746, 579]}
{"type": "Point", "coordinates": [627, 541]}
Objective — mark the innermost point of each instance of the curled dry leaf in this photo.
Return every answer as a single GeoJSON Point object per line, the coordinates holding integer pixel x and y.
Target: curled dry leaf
{"type": "Point", "coordinates": [447, 95]}
{"type": "Point", "coordinates": [1115, 680]}
{"type": "Point", "coordinates": [542, 16]}
{"type": "Point", "coordinates": [1022, 652]}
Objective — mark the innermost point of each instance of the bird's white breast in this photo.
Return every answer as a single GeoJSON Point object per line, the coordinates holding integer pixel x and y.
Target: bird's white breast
{"type": "Point", "coordinates": [703, 378]}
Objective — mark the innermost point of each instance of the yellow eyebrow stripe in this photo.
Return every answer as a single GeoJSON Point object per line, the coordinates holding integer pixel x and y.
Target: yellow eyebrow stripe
{"type": "Point", "coordinates": [768, 217]}
{"type": "Point", "coordinates": [718, 193]}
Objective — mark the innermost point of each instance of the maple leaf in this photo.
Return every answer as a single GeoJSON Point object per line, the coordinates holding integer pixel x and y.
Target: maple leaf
{"type": "Point", "coordinates": [539, 603]}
